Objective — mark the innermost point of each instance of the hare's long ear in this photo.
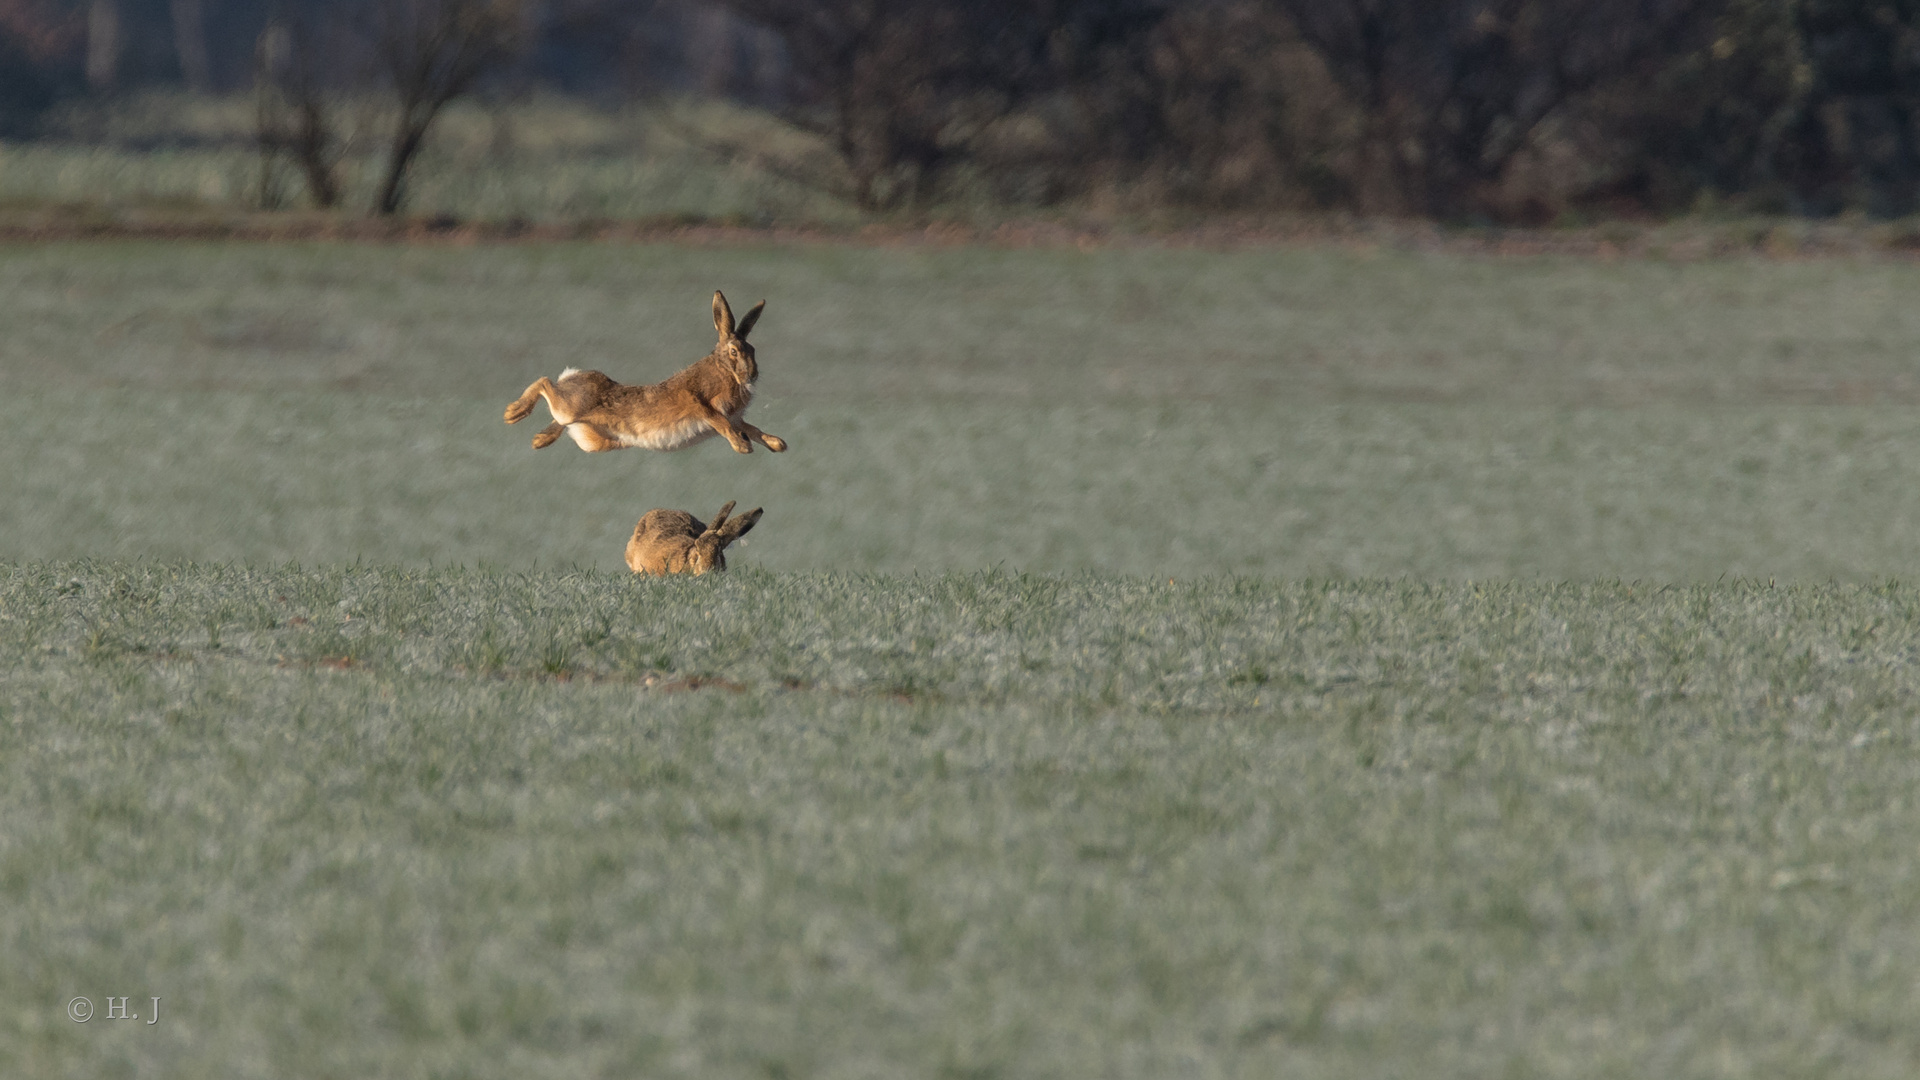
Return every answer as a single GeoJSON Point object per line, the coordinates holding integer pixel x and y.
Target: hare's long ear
{"type": "Point", "coordinates": [746, 323]}
{"type": "Point", "coordinates": [722, 316]}
{"type": "Point", "coordinates": [720, 519]}
{"type": "Point", "coordinates": [742, 525]}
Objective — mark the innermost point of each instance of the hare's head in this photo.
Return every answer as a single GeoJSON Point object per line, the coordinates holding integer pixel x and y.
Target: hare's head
{"type": "Point", "coordinates": [734, 352]}
{"type": "Point", "coordinates": [710, 547]}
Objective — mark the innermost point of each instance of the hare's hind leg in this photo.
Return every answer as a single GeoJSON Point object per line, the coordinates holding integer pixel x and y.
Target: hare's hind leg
{"type": "Point", "coordinates": [592, 438]}
{"type": "Point", "coordinates": [772, 442]}
{"type": "Point", "coordinates": [523, 405]}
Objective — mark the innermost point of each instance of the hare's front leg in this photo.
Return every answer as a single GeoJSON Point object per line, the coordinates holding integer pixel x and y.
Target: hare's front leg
{"type": "Point", "coordinates": [523, 405]}
{"type": "Point", "coordinates": [724, 424]}
{"type": "Point", "coordinates": [547, 435]}
{"type": "Point", "coordinates": [772, 442]}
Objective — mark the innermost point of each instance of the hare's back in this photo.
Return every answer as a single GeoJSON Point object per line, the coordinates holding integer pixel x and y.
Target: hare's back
{"type": "Point", "coordinates": [634, 400]}
{"type": "Point", "coordinates": [667, 525]}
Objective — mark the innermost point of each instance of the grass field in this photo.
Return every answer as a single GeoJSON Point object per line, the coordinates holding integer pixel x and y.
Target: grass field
{"type": "Point", "coordinates": [357, 822]}
{"type": "Point", "coordinates": [1153, 662]}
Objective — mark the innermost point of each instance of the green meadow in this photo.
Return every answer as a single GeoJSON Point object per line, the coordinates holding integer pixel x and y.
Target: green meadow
{"type": "Point", "coordinates": [1320, 662]}
{"type": "Point", "coordinates": [1288, 413]}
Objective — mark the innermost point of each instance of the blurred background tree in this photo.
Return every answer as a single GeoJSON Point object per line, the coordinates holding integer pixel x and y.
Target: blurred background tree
{"type": "Point", "coordinates": [39, 48]}
{"type": "Point", "coordinates": [1852, 139]}
{"type": "Point", "coordinates": [1448, 94]}
{"type": "Point", "coordinates": [905, 91]}
{"type": "Point", "coordinates": [1494, 110]}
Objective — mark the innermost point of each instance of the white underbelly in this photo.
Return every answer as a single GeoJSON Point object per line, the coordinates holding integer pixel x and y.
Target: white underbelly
{"type": "Point", "coordinates": [671, 436]}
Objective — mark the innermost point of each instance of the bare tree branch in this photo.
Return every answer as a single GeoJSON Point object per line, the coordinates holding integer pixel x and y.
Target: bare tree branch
{"type": "Point", "coordinates": [294, 63]}
{"type": "Point", "coordinates": [433, 51]}
{"type": "Point", "coordinates": [903, 89]}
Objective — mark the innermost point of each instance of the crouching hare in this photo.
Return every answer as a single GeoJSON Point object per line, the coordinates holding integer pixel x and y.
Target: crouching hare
{"type": "Point", "coordinates": [708, 398]}
{"type": "Point", "coordinates": [675, 542]}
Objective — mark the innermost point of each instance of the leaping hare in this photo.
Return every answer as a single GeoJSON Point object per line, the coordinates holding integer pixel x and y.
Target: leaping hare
{"type": "Point", "coordinates": [706, 399]}
{"type": "Point", "coordinates": [675, 542]}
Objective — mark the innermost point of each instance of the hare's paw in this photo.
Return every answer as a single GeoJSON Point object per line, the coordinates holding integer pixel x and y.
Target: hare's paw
{"type": "Point", "coordinates": [518, 411]}
{"type": "Point", "coordinates": [548, 435]}
{"type": "Point", "coordinates": [742, 445]}
{"type": "Point", "coordinates": [776, 444]}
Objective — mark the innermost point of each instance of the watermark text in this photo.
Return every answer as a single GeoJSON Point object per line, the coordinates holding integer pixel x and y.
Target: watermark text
{"type": "Point", "coordinates": [80, 1010]}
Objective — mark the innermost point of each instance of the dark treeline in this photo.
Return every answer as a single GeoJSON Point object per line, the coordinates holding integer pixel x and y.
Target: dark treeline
{"type": "Point", "coordinates": [1508, 110]}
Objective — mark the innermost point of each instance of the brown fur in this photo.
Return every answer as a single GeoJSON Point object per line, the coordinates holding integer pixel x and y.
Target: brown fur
{"type": "Point", "coordinates": [676, 542]}
{"type": "Point", "coordinates": [706, 399]}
